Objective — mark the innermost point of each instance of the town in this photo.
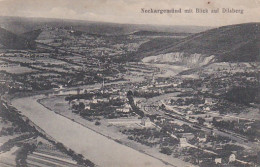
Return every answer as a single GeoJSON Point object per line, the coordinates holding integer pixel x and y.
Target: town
{"type": "Point", "coordinates": [183, 110]}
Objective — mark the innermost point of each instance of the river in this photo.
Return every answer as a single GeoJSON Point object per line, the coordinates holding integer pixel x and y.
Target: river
{"type": "Point", "coordinates": [95, 147]}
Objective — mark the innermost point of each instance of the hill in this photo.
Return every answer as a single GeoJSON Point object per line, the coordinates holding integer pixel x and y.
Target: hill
{"type": "Point", "coordinates": [20, 25]}
{"type": "Point", "coordinates": [13, 41]}
{"type": "Point", "coordinates": [157, 44]}
{"type": "Point", "coordinates": [32, 35]}
{"type": "Point", "coordinates": [228, 43]}
{"type": "Point", "coordinates": [156, 33]}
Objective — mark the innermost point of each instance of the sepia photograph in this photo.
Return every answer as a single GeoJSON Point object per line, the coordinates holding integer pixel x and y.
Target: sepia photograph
{"type": "Point", "coordinates": [129, 83]}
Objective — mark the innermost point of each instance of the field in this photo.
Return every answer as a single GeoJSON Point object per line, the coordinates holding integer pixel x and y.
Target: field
{"type": "Point", "coordinates": [17, 70]}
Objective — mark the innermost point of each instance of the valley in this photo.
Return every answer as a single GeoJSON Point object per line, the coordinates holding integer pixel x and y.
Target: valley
{"type": "Point", "coordinates": [139, 97]}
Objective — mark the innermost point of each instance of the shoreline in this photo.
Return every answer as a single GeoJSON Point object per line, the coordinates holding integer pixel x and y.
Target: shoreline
{"type": "Point", "coordinates": [110, 138]}
{"type": "Point", "coordinates": [43, 96]}
{"type": "Point", "coordinates": [152, 161]}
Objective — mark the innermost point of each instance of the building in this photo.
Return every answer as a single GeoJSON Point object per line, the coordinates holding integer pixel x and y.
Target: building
{"type": "Point", "coordinates": [202, 139]}
{"type": "Point", "coordinates": [208, 101]}
{"type": "Point", "coordinates": [189, 112]}
{"type": "Point", "coordinates": [124, 121]}
{"type": "Point", "coordinates": [232, 158]}
{"type": "Point", "coordinates": [94, 100]}
{"type": "Point", "coordinates": [183, 142]}
{"type": "Point", "coordinates": [209, 125]}
{"type": "Point", "coordinates": [206, 109]}
{"type": "Point", "coordinates": [145, 121]}
{"type": "Point", "coordinates": [126, 108]}
{"type": "Point", "coordinates": [188, 136]}
{"type": "Point", "coordinates": [218, 160]}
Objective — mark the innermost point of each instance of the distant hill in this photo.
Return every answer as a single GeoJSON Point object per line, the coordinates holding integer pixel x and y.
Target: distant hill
{"type": "Point", "coordinates": [20, 25]}
{"type": "Point", "coordinates": [228, 43]}
{"type": "Point", "coordinates": [32, 35]}
{"type": "Point", "coordinates": [157, 44]}
{"type": "Point", "coordinates": [13, 41]}
{"type": "Point", "coordinates": [156, 33]}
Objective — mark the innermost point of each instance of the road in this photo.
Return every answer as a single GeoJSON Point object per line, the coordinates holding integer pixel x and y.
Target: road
{"type": "Point", "coordinates": [156, 101]}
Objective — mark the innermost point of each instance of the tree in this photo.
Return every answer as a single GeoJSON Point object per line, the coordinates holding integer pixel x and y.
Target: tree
{"type": "Point", "coordinates": [166, 150]}
{"type": "Point", "coordinates": [162, 106]}
{"type": "Point", "coordinates": [129, 93]}
{"type": "Point", "coordinates": [201, 120]}
{"type": "Point", "coordinates": [81, 106]}
{"type": "Point", "coordinates": [242, 95]}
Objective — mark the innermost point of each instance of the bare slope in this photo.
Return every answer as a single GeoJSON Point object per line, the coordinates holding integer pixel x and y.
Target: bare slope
{"type": "Point", "coordinates": [228, 43]}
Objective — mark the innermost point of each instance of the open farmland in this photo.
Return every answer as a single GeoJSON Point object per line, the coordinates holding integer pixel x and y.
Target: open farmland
{"type": "Point", "coordinates": [17, 69]}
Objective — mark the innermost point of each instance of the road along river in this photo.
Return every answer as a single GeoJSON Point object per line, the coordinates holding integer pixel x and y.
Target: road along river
{"type": "Point", "coordinates": [95, 147]}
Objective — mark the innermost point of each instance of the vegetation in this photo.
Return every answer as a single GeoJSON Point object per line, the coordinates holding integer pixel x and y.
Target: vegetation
{"type": "Point", "coordinates": [132, 103]}
{"type": "Point", "coordinates": [225, 37]}
{"type": "Point", "coordinates": [242, 95]}
{"type": "Point", "coordinates": [151, 137]}
{"type": "Point", "coordinates": [22, 154]}
{"type": "Point", "coordinates": [106, 109]}
{"type": "Point", "coordinates": [166, 150]}
{"type": "Point", "coordinates": [30, 132]}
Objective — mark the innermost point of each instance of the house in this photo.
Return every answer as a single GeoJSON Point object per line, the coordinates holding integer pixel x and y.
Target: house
{"type": "Point", "coordinates": [127, 107]}
{"type": "Point", "coordinates": [208, 101]}
{"type": "Point", "coordinates": [145, 121]}
{"type": "Point", "coordinates": [160, 91]}
{"type": "Point", "coordinates": [74, 102]}
{"type": "Point", "coordinates": [193, 120]}
{"type": "Point", "coordinates": [187, 136]}
{"type": "Point", "coordinates": [218, 160]}
{"type": "Point", "coordinates": [206, 109]}
{"type": "Point", "coordinates": [122, 94]}
{"type": "Point", "coordinates": [202, 139]}
{"type": "Point", "coordinates": [94, 100]}
{"type": "Point", "coordinates": [174, 85]}
{"type": "Point", "coordinates": [113, 97]}
{"type": "Point", "coordinates": [207, 124]}
{"type": "Point", "coordinates": [232, 158]}
{"type": "Point", "coordinates": [125, 110]}
{"type": "Point", "coordinates": [204, 89]}
{"type": "Point", "coordinates": [189, 112]}
{"type": "Point", "coordinates": [183, 142]}
{"type": "Point", "coordinates": [105, 100]}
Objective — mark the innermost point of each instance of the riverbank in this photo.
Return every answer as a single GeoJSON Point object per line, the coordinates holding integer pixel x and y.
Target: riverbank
{"type": "Point", "coordinates": [24, 135]}
{"type": "Point", "coordinates": [99, 149]}
{"type": "Point", "coordinates": [58, 105]}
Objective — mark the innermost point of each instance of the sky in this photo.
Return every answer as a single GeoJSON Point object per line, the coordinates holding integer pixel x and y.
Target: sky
{"type": "Point", "coordinates": [129, 11]}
